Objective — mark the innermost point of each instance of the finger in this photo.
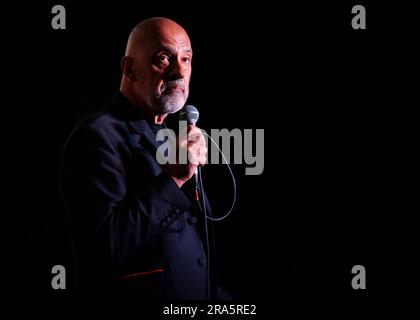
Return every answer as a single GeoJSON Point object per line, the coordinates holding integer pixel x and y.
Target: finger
{"type": "Point", "coordinates": [202, 161]}
{"type": "Point", "coordinates": [183, 143]}
{"type": "Point", "coordinates": [196, 144]}
{"type": "Point", "coordinates": [197, 159]}
{"type": "Point", "coordinates": [191, 129]}
{"type": "Point", "coordinates": [202, 156]}
{"type": "Point", "coordinates": [193, 159]}
{"type": "Point", "coordinates": [193, 151]}
{"type": "Point", "coordinates": [202, 150]}
{"type": "Point", "coordinates": [200, 136]}
{"type": "Point", "coordinates": [195, 137]}
{"type": "Point", "coordinates": [195, 134]}
{"type": "Point", "coordinates": [193, 154]}
{"type": "Point", "coordinates": [197, 148]}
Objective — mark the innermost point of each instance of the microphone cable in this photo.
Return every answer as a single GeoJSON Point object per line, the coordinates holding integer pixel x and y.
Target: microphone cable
{"type": "Point", "coordinates": [202, 206]}
{"type": "Point", "coordinates": [203, 209]}
{"type": "Point", "coordinates": [202, 188]}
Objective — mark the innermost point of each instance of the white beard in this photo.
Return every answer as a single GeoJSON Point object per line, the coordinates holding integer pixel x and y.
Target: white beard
{"type": "Point", "coordinates": [170, 103]}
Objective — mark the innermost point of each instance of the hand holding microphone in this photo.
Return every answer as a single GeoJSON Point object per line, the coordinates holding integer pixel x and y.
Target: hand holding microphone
{"type": "Point", "coordinates": [193, 143]}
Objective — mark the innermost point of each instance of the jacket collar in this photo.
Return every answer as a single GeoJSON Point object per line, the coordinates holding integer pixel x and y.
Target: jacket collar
{"type": "Point", "coordinates": [124, 110]}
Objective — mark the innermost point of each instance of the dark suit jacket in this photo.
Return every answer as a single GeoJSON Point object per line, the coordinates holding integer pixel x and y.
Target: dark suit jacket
{"type": "Point", "coordinates": [135, 230]}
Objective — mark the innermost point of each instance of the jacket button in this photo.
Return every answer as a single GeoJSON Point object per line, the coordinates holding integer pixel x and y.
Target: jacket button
{"type": "Point", "coordinates": [177, 211]}
{"type": "Point", "coordinates": [192, 220]}
{"type": "Point", "coordinates": [200, 262]}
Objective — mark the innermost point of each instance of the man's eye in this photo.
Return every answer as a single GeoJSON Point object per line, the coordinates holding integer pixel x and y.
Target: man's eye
{"type": "Point", "coordinates": [163, 59]}
{"type": "Point", "coordinates": [186, 60]}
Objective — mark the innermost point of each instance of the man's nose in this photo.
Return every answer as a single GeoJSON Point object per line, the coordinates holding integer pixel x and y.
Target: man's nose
{"type": "Point", "coordinates": [176, 71]}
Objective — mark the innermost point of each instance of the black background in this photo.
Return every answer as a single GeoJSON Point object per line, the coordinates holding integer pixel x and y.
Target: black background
{"type": "Point", "coordinates": [326, 95]}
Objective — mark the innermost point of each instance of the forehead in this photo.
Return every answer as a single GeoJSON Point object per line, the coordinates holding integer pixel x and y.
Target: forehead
{"type": "Point", "coordinates": [173, 38]}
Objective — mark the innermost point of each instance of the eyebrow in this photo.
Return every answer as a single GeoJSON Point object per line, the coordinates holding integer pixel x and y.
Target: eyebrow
{"type": "Point", "coordinates": [168, 49]}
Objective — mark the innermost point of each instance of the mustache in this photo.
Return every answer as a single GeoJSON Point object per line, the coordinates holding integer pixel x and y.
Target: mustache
{"type": "Point", "coordinates": [179, 83]}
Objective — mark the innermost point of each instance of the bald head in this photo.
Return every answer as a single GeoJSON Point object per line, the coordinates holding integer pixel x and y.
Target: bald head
{"type": "Point", "coordinates": [148, 31]}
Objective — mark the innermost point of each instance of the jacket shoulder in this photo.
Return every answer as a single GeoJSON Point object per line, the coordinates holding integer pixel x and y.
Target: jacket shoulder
{"type": "Point", "coordinates": [101, 123]}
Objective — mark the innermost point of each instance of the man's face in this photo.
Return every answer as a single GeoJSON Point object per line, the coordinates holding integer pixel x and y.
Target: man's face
{"type": "Point", "coordinates": [164, 69]}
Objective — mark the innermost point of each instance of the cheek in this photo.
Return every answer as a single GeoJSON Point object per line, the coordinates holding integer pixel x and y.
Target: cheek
{"type": "Point", "coordinates": [156, 77]}
{"type": "Point", "coordinates": [188, 76]}
{"type": "Point", "coordinates": [152, 82]}
{"type": "Point", "coordinates": [158, 86]}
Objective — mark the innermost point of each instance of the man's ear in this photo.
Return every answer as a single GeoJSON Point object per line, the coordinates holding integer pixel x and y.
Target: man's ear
{"type": "Point", "coordinates": [127, 67]}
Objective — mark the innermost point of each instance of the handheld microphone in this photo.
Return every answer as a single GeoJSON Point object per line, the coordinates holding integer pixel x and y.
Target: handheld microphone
{"type": "Point", "coordinates": [190, 114]}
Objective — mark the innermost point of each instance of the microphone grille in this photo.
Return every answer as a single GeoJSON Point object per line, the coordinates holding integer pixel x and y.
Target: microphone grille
{"type": "Point", "coordinates": [189, 113]}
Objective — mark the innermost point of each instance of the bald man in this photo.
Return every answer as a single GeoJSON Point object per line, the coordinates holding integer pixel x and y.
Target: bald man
{"type": "Point", "coordinates": [137, 230]}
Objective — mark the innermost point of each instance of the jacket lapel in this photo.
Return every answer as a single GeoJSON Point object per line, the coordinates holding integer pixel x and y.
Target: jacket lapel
{"type": "Point", "coordinates": [141, 137]}
{"type": "Point", "coordinates": [146, 136]}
